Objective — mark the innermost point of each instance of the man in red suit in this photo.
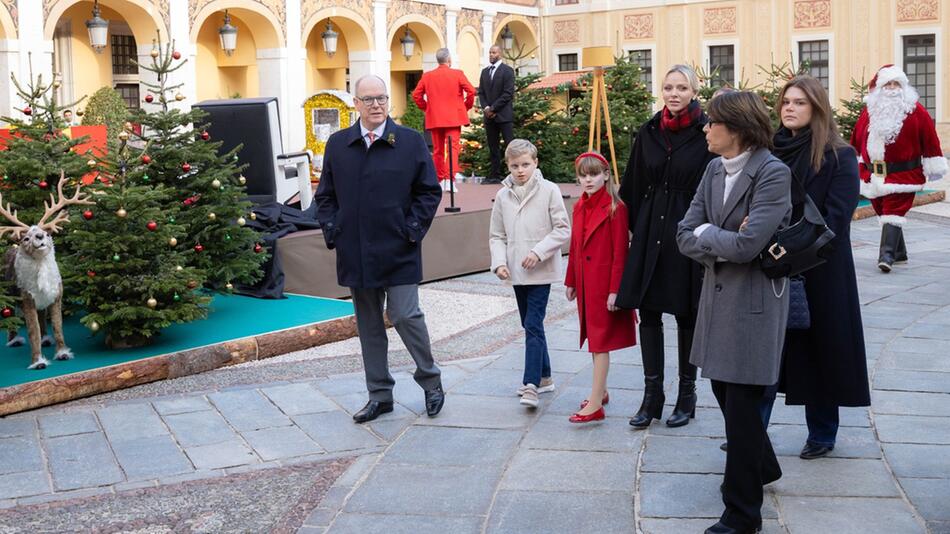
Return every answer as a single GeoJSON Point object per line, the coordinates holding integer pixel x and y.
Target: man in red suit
{"type": "Point", "coordinates": [445, 95]}
{"type": "Point", "coordinates": [899, 151]}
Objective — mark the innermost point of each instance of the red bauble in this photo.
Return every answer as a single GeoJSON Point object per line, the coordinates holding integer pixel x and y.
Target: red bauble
{"type": "Point", "coordinates": [185, 167]}
{"type": "Point", "coordinates": [87, 215]}
{"type": "Point", "coordinates": [44, 184]}
{"type": "Point", "coordinates": [205, 136]}
{"type": "Point", "coordinates": [90, 274]}
{"type": "Point", "coordinates": [27, 111]}
{"type": "Point", "coordinates": [152, 226]}
{"type": "Point", "coordinates": [149, 98]}
{"type": "Point", "coordinates": [7, 312]}
{"type": "Point", "coordinates": [146, 159]}
{"type": "Point", "coordinates": [188, 202]}
{"type": "Point", "coordinates": [199, 248]}
{"type": "Point", "coordinates": [258, 248]}
{"type": "Point", "coordinates": [176, 55]}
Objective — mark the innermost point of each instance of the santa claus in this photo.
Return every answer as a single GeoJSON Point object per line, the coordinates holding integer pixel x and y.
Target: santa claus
{"type": "Point", "coordinates": [899, 151]}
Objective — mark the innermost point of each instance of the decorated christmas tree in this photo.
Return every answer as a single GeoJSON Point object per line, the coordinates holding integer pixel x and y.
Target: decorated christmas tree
{"type": "Point", "coordinates": [208, 188]}
{"type": "Point", "coordinates": [37, 149]}
{"type": "Point", "coordinates": [9, 321]}
{"type": "Point", "coordinates": [128, 268]}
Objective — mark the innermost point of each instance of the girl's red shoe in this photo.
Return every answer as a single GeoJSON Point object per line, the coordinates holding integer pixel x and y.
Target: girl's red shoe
{"type": "Point", "coordinates": [599, 415]}
{"type": "Point", "coordinates": [603, 402]}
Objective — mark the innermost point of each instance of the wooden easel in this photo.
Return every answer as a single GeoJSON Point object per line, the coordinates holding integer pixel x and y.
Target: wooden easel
{"type": "Point", "coordinates": [598, 57]}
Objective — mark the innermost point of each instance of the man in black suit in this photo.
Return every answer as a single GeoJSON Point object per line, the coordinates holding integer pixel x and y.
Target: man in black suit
{"type": "Point", "coordinates": [496, 90]}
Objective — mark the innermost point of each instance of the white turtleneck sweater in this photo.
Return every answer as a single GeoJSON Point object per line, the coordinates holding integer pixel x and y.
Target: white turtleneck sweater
{"type": "Point", "coordinates": [733, 168]}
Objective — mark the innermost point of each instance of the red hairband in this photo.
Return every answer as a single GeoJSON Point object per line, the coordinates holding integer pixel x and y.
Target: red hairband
{"type": "Point", "coordinates": [591, 155]}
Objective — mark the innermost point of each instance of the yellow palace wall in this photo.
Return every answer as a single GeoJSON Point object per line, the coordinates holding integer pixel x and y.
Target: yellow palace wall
{"type": "Point", "coordinates": [862, 35]}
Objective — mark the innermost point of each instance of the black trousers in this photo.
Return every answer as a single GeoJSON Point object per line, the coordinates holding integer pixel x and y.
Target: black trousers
{"type": "Point", "coordinates": [492, 130]}
{"type": "Point", "coordinates": [750, 459]}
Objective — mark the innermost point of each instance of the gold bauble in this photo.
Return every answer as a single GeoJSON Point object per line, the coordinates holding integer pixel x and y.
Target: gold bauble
{"type": "Point", "coordinates": [228, 286]}
{"type": "Point", "coordinates": [215, 183]}
{"type": "Point", "coordinates": [151, 303]}
{"type": "Point", "coordinates": [241, 221]}
{"type": "Point", "coordinates": [121, 213]}
{"type": "Point", "coordinates": [212, 216]}
{"type": "Point", "coordinates": [173, 242]}
{"type": "Point", "coordinates": [56, 85]}
{"type": "Point", "coordinates": [253, 216]}
{"type": "Point", "coordinates": [154, 52]}
{"type": "Point", "coordinates": [242, 179]}
{"type": "Point", "coordinates": [94, 326]}
{"type": "Point", "coordinates": [91, 163]}
{"type": "Point", "coordinates": [179, 267]}
{"type": "Point", "coordinates": [123, 136]}
{"type": "Point", "coordinates": [179, 97]}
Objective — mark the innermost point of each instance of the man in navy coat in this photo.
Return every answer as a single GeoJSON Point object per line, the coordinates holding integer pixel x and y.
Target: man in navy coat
{"type": "Point", "coordinates": [377, 196]}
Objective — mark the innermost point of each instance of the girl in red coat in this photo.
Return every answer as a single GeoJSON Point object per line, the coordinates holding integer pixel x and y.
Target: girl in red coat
{"type": "Point", "coordinates": [599, 244]}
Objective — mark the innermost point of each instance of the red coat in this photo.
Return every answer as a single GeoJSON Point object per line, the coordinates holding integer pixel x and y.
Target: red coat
{"type": "Point", "coordinates": [444, 105]}
{"type": "Point", "coordinates": [917, 139]}
{"type": "Point", "coordinates": [599, 244]}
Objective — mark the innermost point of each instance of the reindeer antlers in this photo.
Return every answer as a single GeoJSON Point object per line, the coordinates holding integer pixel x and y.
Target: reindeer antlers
{"type": "Point", "coordinates": [18, 227]}
{"type": "Point", "coordinates": [56, 206]}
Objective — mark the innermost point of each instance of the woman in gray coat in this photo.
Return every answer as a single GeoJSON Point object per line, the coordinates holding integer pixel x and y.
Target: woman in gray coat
{"type": "Point", "coordinates": [743, 198]}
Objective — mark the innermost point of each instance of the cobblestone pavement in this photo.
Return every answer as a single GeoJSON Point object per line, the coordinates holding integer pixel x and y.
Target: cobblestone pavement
{"type": "Point", "coordinates": [273, 447]}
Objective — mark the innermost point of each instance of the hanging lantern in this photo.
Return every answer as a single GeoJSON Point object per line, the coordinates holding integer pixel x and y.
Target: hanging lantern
{"type": "Point", "coordinates": [98, 28]}
{"type": "Point", "coordinates": [408, 44]}
{"type": "Point", "coordinates": [329, 39]}
{"type": "Point", "coordinates": [228, 34]}
{"type": "Point", "coordinates": [507, 38]}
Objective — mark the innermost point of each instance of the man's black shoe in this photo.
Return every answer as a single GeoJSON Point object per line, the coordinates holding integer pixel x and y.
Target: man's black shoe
{"type": "Point", "coordinates": [372, 410]}
{"type": "Point", "coordinates": [812, 451]}
{"type": "Point", "coordinates": [435, 398]}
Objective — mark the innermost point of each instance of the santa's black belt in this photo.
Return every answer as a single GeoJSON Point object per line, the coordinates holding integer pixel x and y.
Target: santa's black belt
{"type": "Point", "coordinates": [882, 168]}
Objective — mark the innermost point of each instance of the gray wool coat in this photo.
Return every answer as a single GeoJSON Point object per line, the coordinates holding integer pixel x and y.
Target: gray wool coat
{"type": "Point", "coordinates": [741, 323]}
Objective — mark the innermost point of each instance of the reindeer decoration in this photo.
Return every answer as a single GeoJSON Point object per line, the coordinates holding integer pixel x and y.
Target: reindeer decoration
{"type": "Point", "coordinates": [32, 267]}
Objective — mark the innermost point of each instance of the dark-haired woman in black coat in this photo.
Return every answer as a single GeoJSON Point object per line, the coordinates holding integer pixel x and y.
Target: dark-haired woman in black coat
{"type": "Point", "coordinates": [825, 366]}
{"type": "Point", "coordinates": [666, 164]}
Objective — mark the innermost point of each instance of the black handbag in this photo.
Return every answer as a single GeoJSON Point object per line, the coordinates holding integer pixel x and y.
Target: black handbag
{"type": "Point", "coordinates": [796, 248]}
{"type": "Point", "coordinates": [799, 317]}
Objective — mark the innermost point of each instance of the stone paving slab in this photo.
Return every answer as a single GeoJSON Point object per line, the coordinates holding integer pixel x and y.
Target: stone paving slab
{"type": "Point", "coordinates": [297, 399]}
{"type": "Point", "coordinates": [543, 470]}
{"type": "Point", "coordinates": [843, 515]}
{"type": "Point", "coordinates": [436, 446]}
{"type": "Point", "coordinates": [681, 454]}
{"type": "Point", "coordinates": [555, 432]}
{"type": "Point", "coordinates": [913, 429]}
{"type": "Point", "coordinates": [931, 496]}
{"type": "Point", "coordinates": [840, 477]}
{"type": "Point", "coordinates": [82, 461]}
{"type": "Point", "coordinates": [680, 526]}
{"type": "Point", "coordinates": [911, 403]}
{"type": "Point", "coordinates": [15, 485]}
{"type": "Point", "coordinates": [11, 426]}
{"type": "Point", "coordinates": [65, 424]}
{"type": "Point", "coordinates": [920, 381]}
{"type": "Point", "coordinates": [681, 495]}
{"type": "Point", "coordinates": [130, 422]}
{"type": "Point", "coordinates": [177, 405]}
{"type": "Point", "coordinates": [282, 442]}
{"type": "Point", "coordinates": [528, 511]}
{"type": "Point", "coordinates": [348, 523]}
{"type": "Point", "coordinates": [19, 454]}
{"type": "Point", "coordinates": [910, 460]}
{"type": "Point", "coordinates": [200, 428]}
{"type": "Point", "coordinates": [150, 458]}
{"type": "Point", "coordinates": [248, 410]}
{"type": "Point", "coordinates": [476, 411]}
{"type": "Point", "coordinates": [335, 431]}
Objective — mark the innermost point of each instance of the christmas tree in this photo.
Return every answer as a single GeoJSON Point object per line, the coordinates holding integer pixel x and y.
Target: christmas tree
{"type": "Point", "coordinates": [128, 268]}
{"type": "Point", "coordinates": [849, 111]}
{"type": "Point", "coordinates": [38, 149]}
{"type": "Point", "coordinates": [9, 322]}
{"type": "Point", "coordinates": [207, 186]}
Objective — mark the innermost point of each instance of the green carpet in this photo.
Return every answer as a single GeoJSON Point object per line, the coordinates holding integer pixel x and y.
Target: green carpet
{"type": "Point", "coordinates": [231, 317]}
{"type": "Point", "coordinates": [865, 202]}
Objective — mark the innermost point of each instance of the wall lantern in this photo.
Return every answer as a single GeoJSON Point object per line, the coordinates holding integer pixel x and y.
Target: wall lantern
{"type": "Point", "coordinates": [408, 44]}
{"type": "Point", "coordinates": [228, 34]}
{"type": "Point", "coordinates": [329, 39]}
{"type": "Point", "coordinates": [98, 29]}
{"type": "Point", "coordinates": [508, 38]}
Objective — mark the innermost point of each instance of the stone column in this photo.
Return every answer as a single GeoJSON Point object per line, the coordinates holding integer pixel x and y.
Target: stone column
{"type": "Point", "coordinates": [295, 83]}
{"type": "Point", "coordinates": [380, 57]}
{"type": "Point", "coordinates": [273, 66]}
{"type": "Point", "coordinates": [451, 30]}
{"type": "Point", "coordinates": [488, 32]}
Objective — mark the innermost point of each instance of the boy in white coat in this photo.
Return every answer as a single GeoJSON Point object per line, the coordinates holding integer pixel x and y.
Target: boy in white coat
{"type": "Point", "coordinates": [529, 225]}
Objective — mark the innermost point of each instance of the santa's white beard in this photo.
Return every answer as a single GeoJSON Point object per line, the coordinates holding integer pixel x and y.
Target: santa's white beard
{"type": "Point", "coordinates": [887, 111]}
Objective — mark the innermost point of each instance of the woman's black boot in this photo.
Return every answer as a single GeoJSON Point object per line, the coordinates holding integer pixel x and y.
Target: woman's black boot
{"type": "Point", "coordinates": [686, 398]}
{"type": "Point", "coordinates": [651, 349]}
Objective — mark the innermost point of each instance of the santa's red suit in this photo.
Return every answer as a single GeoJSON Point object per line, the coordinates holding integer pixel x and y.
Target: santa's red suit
{"type": "Point", "coordinates": [898, 151]}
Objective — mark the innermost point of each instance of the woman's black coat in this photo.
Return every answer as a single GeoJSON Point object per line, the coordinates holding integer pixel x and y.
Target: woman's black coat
{"type": "Point", "coordinates": [827, 364]}
{"type": "Point", "coordinates": [658, 186]}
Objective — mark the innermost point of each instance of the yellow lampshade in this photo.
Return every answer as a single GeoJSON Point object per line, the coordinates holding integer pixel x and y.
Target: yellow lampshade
{"type": "Point", "coordinates": [597, 56]}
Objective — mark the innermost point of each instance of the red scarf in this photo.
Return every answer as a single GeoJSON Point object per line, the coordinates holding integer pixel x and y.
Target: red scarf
{"type": "Point", "coordinates": [686, 118]}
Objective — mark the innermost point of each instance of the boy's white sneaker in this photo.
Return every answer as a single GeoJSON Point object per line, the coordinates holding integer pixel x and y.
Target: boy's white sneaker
{"type": "Point", "coordinates": [530, 396]}
{"type": "Point", "coordinates": [547, 386]}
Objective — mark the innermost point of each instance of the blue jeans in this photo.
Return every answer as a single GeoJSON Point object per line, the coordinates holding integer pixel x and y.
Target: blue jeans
{"type": "Point", "coordinates": [533, 305]}
{"type": "Point", "coordinates": [822, 420]}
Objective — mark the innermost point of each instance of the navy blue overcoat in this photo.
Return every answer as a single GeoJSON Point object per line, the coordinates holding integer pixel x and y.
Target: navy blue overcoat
{"type": "Point", "coordinates": [375, 205]}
